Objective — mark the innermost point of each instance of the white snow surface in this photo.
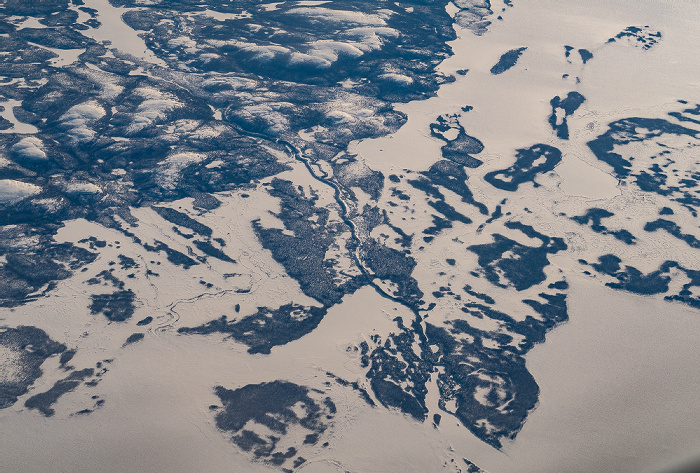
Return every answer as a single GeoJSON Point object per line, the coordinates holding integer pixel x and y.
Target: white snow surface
{"type": "Point", "coordinates": [78, 118]}
{"type": "Point", "coordinates": [152, 108]}
{"type": "Point", "coordinates": [169, 171]}
{"type": "Point", "coordinates": [12, 191]}
{"type": "Point", "coordinates": [118, 34]}
{"type": "Point", "coordinates": [29, 148]}
{"type": "Point", "coordinates": [343, 17]}
{"type": "Point", "coordinates": [17, 126]}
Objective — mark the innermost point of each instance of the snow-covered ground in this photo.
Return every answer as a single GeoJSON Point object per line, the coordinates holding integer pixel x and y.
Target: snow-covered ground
{"type": "Point", "coordinates": [618, 382]}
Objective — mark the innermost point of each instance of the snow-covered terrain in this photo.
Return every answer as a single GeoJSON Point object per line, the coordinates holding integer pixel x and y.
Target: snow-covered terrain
{"type": "Point", "coordinates": [326, 236]}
